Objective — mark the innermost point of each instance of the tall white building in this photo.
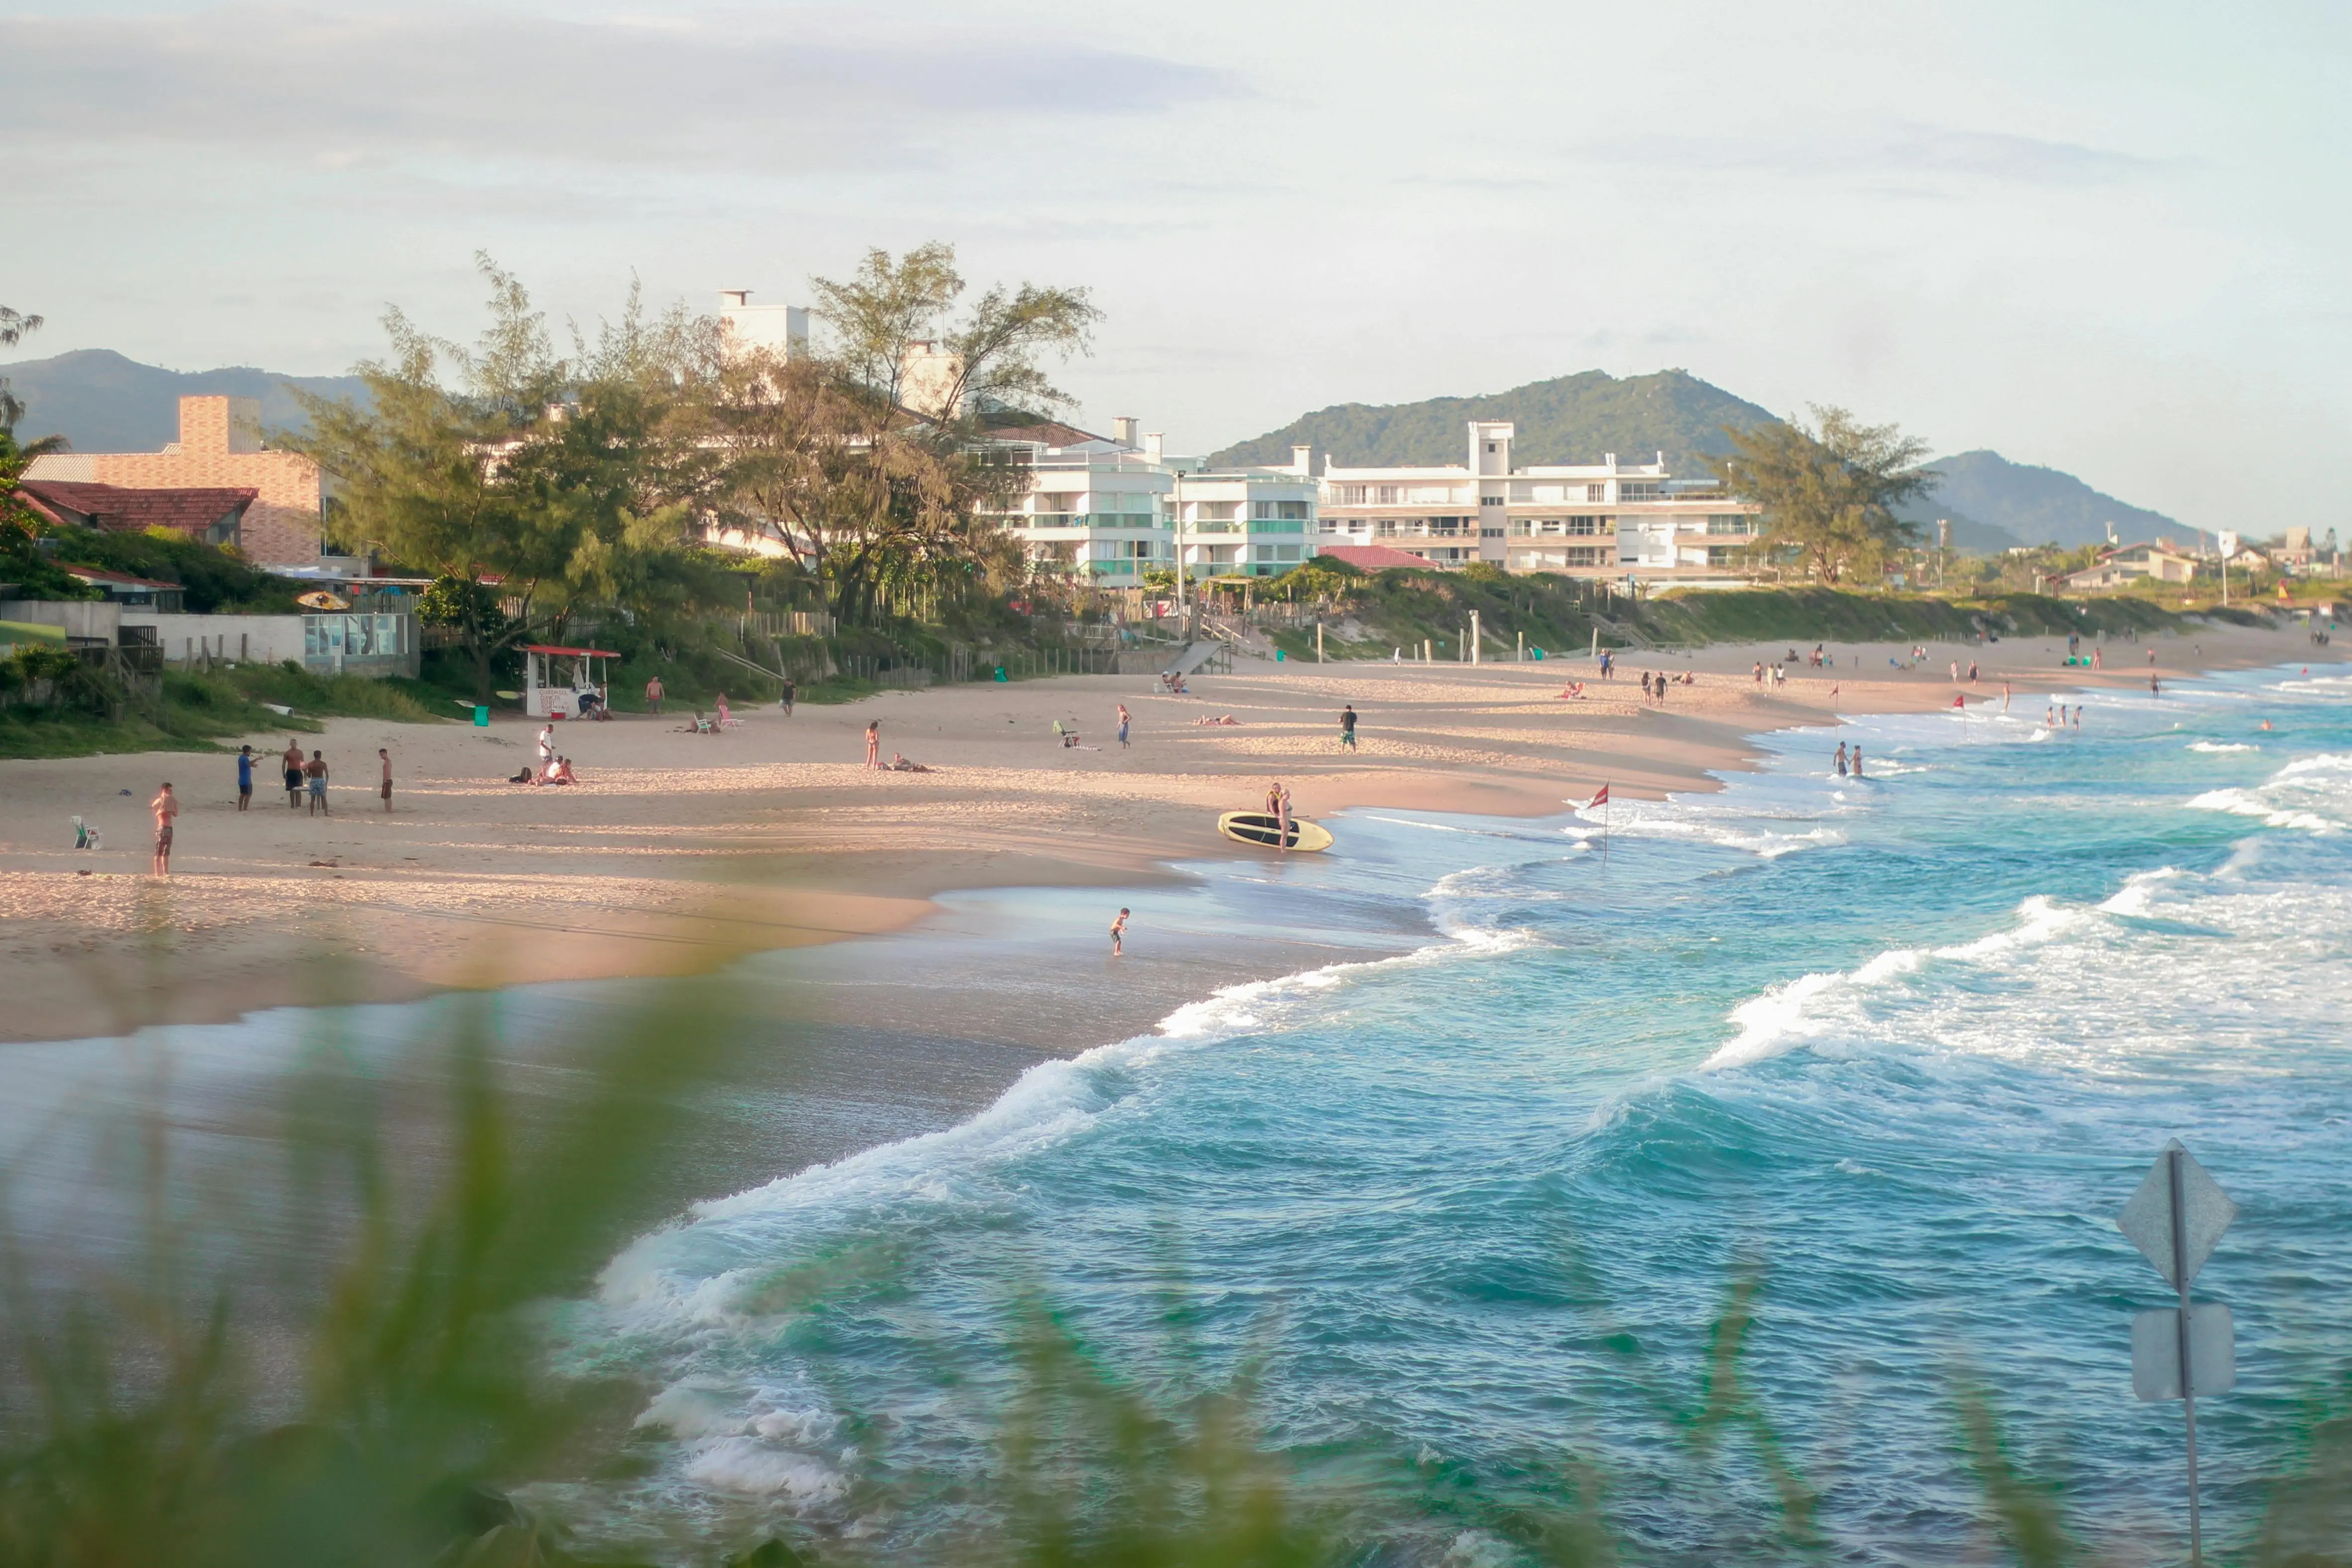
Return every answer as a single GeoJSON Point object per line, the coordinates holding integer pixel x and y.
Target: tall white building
{"type": "Point", "coordinates": [1110, 508]}
{"type": "Point", "coordinates": [1603, 519]}
{"type": "Point", "coordinates": [778, 329]}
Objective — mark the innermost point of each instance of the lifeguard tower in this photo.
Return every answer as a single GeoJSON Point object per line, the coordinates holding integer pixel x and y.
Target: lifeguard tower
{"type": "Point", "coordinates": [556, 679]}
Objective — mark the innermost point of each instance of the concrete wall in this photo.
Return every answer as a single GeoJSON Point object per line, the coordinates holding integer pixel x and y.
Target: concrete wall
{"type": "Point", "coordinates": [245, 639]}
{"type": "Point", "coordinates": [89, 617]}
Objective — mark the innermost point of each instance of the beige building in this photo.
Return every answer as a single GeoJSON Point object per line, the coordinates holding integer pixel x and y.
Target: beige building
{"type": "Point", "coordinates": [220, 447]}
{"type": "Point", "coordinates": [1602, 519]}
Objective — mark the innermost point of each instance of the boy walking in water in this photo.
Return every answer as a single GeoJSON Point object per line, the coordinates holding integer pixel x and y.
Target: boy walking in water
{"type": "Point", "coordinates": [166, 807]}
{"type": "Point", "coordinates": [1118, 931]}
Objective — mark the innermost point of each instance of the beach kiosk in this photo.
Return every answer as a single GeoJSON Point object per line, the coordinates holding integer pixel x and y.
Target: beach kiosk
{"type": "Point", "coordinates": [557, 680]}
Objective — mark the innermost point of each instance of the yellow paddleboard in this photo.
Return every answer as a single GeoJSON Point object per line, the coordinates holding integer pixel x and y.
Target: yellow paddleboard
{"type": "Point", "coordinates": [1262, 829]}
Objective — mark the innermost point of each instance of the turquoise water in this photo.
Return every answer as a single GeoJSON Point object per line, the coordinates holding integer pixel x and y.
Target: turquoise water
{"type": "Point", "coordinates": [1903, 1045]}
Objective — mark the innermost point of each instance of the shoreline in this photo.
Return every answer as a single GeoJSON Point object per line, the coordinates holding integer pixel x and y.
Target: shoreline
{"type": "Point", "coordinates": [684, 852]}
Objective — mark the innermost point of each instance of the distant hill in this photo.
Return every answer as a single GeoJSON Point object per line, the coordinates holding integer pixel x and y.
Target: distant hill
{"type": "Point", "coordinates": [1570, 419]}
{"type": "Point", "coordinates": [1993, 504]}
{"type": "Point", "coordinates": [101, 402]}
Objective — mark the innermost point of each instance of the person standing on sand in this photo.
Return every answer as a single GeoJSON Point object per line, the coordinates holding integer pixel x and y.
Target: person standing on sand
{"type": "Point", "coordinates": [874, 743]}
{"type": "Point", "coordinates": [386, 755]}
{"type": "Point", "coordinates": [1125, 718]}
{"type": "Point", "coordinates": [315, 771]}
{"type": "Point", "coordinates": [785, 701]}
{"type": "Point", "coordinates": [243, 778]}
{"type": "Point", "coordinates": [546, 745]}
{"type": "Point", "coordinates": [1348, 728]}
{"type": "Point", "coordinates": [292, 760]}
{"type": "Point", "coordinates": [1117, 935]}
{"type": "Point", "coordinates": [654, 694]}
{"type": "Point", "coordinates": [166, 807]}
{"type": "Point", "coordinates": [2098, 658]}
{"type": "Point", "coordinates": [1840, 759]}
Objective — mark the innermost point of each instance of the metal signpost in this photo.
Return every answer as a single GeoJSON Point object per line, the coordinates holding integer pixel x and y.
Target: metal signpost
{"type": "Point", "coordinates": [2175, 1219]}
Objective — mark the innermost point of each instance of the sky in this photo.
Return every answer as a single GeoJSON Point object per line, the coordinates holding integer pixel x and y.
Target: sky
{"type": "Point", "coordinates": [2107, 237]}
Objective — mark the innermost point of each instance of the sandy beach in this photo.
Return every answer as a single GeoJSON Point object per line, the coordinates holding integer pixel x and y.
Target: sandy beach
{"type": "Point", "coordinates": [679, 850]}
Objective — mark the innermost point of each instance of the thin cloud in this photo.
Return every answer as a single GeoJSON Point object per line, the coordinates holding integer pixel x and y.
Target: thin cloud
{"type": "Point", "coordinates": [1898, 151]}
{"type": "Point", "coordinates": [321, 88]}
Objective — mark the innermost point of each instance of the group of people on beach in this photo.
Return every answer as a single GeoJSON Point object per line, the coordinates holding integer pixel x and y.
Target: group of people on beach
{"type": "Point", "coordinates": [305, 778]}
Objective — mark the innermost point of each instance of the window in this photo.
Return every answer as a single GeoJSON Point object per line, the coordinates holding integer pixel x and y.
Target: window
{"type": "Point", "coordinates": [1596, 492]}
{"type": "Point", "coordinates": [1388, 495]}
{"type": "Point", "coordinates": [1732, 524]}
{"type": "Point", "coordinates": [1637, 490]}
{"type": "Point", "coordinates": [1724, 555]}
{"type": "Point", "coordinates": [1583, 527]}
{"type": "Point", "coordinates": [1490, 500]}
{"type": "Point", "coordinates": [1260, 509]}
{"type": "Point", "coordinates": [1583, 555]}
{"type": "Point", "coordinates": [1295, 509]}
{"type": "Point", "coordinates": [1490, 446]}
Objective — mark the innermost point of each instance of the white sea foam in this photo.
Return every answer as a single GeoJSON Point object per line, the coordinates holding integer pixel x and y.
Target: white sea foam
{"type": "Point", "coordinates": [2139, 891]}
{"type": "Point", "coordinates": [2220, 745]}
{"type": "Point", "coordinates": [752, 1468]}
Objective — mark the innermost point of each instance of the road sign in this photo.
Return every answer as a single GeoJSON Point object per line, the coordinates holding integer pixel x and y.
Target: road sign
{"type": "Point", "coordinates": [2213, 1355]}
{"type": "Point", "coordinates": [2175, 1219]}
{"type": "Point", "coordinates": [2148, 1220]}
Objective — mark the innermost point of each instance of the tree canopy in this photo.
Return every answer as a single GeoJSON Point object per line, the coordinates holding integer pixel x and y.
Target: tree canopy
{"type": "Point", "coordinates": [1828, 492]}
{"type": "Point", "coordinates": [568, 483]}
{"type": "Point", "coordinates": [867, 460]}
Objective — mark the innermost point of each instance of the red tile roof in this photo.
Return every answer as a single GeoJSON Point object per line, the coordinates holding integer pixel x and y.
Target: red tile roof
{"type": "Point", "coordinates": [119, 509]}
{"type": "Point", "coordinates": [1369, 558]}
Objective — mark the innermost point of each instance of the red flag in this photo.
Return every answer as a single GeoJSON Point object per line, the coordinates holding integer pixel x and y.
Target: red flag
{"type": "Point", "coordinates": [1600, 799]}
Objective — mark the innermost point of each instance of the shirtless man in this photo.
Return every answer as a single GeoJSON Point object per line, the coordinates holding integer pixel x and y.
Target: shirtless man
{"type": "Point", "coordinates": [166, 806]}
{"type": "Point", "coordinates": [293, 762]}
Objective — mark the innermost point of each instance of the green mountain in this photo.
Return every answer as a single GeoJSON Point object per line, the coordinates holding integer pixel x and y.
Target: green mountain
{"type": "Point", "coordinates": [101, 402]}
{"type": "Point", "coordinates": [1993, 504]}
{"type": "Point", "coordinates": [1570, 419]}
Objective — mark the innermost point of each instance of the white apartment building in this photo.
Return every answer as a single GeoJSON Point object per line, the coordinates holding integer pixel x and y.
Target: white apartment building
{"type": "Point", "coordinates": [1110, 509]}
{"type": "Point", "coordinates": [1602, 519]}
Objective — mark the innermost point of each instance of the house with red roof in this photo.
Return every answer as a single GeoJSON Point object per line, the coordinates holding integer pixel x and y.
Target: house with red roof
{"type": "Point", "coordinates": [220, 448]}
{"type": "Point", "coordinates": [211, 513]}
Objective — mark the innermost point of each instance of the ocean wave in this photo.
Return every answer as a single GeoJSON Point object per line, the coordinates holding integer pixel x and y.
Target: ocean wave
{"type": "Point", "coordinates": [1834, 1002]}
{"type": "Point", "coordinates": [1691, 822]}
{"type": "Point", "coordinates": [2220, 745]}
{"type": "Point", "coordinates": [2312, 794]}
{"type": "Point", "coordinates": [700, 1273]}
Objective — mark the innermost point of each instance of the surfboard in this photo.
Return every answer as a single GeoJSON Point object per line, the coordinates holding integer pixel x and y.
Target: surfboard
{"type": "Point", "coordinates": [1262, 829]}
